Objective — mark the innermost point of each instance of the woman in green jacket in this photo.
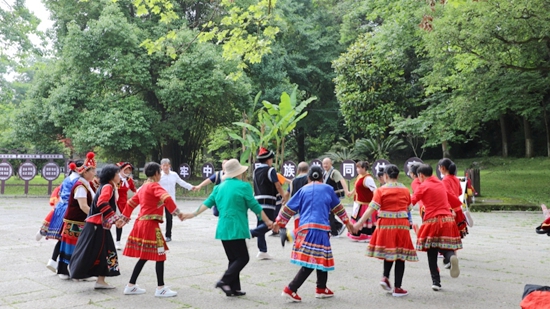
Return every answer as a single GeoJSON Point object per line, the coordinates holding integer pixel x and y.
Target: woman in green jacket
{"type": "Point", "coordinates": [233, 198]}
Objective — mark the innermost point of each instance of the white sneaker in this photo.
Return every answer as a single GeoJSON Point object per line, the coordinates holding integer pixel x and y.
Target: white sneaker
{"type": "Point", "coordinates": [118, 246]}
{"type": "Point", "coordinates": [52, 265]}
{"type": "Point", "coordinates": [133, 290]}
{"type": "Point", "coordinates": [165, 292]}
{"type": "Point", "coordinates": [263, 256]}
{"type": "Point", "coordinates": [455, 271]}
{"type": "Point", "coordinates": [38, 235]}
{"type": "Point", "coordinates": [63, 277]}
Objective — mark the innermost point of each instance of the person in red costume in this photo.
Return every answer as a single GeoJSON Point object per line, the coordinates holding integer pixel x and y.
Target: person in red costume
{"type": "Point", "coordinates": [362, 195]}
{"type": "Point", "coordinates": [447, 168]}
{"type": "Point", "coordinates": [126, 184]}
{"type": "Point", "coordinates": [391, 242]}
{"type": "Point", "coordinates": [80, 199]}
{"type": "Point", "coordinates": [54, 198]}
{"type": "Point", "coordinates": [414, 185]}
{"type": "Point", "coordinates": [438, 232]}
{"type": "Point", "coordinates": [145, 241]}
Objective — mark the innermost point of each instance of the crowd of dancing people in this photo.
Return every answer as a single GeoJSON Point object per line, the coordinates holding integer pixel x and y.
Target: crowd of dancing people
{"type": "Point", "coordinates": [86, 206]}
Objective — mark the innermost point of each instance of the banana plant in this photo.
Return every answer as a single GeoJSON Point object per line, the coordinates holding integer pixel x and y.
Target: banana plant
{"type": "Point", "coordinates": [281, 119]}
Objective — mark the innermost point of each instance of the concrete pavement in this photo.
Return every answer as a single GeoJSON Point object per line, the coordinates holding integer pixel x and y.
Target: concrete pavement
{"type": "Point", "coordinates": [501, 255]}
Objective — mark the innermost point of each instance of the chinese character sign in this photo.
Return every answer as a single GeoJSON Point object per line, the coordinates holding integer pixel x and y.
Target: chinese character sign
{"type": "Point", "coordinates": [27, 171]}
{"type": "Point", "coordinates": [379, 165]}
{"type": "Point", "coordinates": [6, 170]}
{"type": "Point", "coordinates": [207, 170]}
{"type": "Point", "coordinates": [409, 162]}
{"type": "Point", "coordinates": [347, 169]}
{"type": "Point", "coordinates": [50, 171]}
{"type": "Point", "coordinates": [289, 169]}
{"type": "Point", "coordinates": [185, 171]}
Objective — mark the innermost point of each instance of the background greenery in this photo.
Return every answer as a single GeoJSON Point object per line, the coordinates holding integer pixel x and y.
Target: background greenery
{"type": "Point", "coordinates": [196, 82]}
{"type": "Point", "coordinates": [505, 183]}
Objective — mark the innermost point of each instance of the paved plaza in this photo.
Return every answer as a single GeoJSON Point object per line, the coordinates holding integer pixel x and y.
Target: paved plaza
{"type": "Point", "coordinates": [501, 255]}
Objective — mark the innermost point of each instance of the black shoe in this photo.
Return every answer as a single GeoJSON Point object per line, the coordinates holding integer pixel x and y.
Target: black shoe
{"type": "Point", "coordinates": [238, 293]}
{"type": "Point", "coordinates": [224, 287]}
{"type": "Point", "coordinates": [282, 234]}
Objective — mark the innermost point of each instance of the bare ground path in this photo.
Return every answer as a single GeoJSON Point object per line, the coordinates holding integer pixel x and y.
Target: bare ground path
{"type": "Point", "coordinates": [501, 255]}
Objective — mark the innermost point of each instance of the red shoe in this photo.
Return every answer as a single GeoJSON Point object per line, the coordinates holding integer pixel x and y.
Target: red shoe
{"type": "Point", "coordinates": [323, 293]}
{"type": "Point", "coordinates": [385, 284]}
{"type": "Point", "coordinates": [291, 295]}
{"type": "Point", "coordinates": [399, 292]}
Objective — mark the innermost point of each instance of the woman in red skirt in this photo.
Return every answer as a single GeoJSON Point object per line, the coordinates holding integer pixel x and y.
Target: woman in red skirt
{"type": "Point", "coordinates": [145, 240]}
{"type": "Point", "coordinates": [391, 241]}
{"type": "Point", "coordinates": [362, 195]}
{"type": "Point", "coordinates": [447, 168]}
{"type": "Point", "coordinates": [126, 184]}
{"type": "Point", "coordinates": [438, 232]}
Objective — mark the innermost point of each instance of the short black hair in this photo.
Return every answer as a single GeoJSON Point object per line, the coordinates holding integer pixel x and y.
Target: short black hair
{"type": "Point", "coordinates": [315, 173]}
{"type": "Point", "coordinates": [425, 170]}
{"type": "Point", "coordinates": [380, 172]}
{"type": "Point", "coordinates": [392, 171]}
{"type": "Point", "coordinates": [151, 169]}
{"type": "Point", "coordinates": [108, 173]}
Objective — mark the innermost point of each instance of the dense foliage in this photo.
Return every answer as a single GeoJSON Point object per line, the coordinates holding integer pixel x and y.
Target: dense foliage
{"type": "Point", "coordinates": [141, 80]}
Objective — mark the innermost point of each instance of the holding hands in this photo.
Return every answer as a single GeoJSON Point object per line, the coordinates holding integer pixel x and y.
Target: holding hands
{"type": "Point", "coordinates": [353, 228]}
{"type": "Point", "coordinates": [185, 216]}
{"type": "Point", "coordinates": [120, 223]}
{"type": "Point", "coordinates": [275, 227]}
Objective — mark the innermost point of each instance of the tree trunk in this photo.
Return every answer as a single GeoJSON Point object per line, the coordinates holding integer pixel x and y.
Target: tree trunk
{"type": "Point", "coordinates": [546, 126]}
{"type": "Point", "coordinates": [168, 151]}
{"type": "Point", "coordinates": [445, 149]}
{"type": "Point", "coordinates": [504, 136]}
{"type": "Point", "coordinates": [529, 148]}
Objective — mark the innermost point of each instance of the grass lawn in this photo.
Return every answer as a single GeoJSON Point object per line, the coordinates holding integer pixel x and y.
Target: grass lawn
{"type": "Point", "coordinates": [515, 181]}
{"type": "Point", "coordinates": [37, 186]}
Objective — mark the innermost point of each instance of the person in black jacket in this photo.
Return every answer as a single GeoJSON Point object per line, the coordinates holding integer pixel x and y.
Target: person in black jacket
{"type": "Point", "coordinates": [266, 187]}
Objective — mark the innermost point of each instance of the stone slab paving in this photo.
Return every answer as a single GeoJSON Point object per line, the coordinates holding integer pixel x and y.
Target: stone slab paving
{"type": "Point", "coordinates": [501, 255]}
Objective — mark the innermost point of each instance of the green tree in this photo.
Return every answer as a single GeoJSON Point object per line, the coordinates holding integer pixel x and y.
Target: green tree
{"type": "Point", "coordinates": [490, 58]}
{"type": "Point", "coordinates": [105, 92]}
{"type": "Point", "coordinates": [376, 78]}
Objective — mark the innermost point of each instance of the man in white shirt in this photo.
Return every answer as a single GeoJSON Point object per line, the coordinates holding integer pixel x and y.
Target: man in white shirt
{"type": "Point", "coordinates": [168, 181]}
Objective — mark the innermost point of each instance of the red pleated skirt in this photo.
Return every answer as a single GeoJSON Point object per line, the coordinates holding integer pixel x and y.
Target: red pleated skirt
{"type": "Point", "coordinates": [439, 232]}
{"type": "Point", "coordinates": [391, 241]}
{"type": "Point", "coordinates": [146, 241]}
